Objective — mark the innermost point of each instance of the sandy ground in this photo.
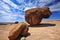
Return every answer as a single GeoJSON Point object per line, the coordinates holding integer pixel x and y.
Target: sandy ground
{"type": "Point", "coordinates": [47, 30]}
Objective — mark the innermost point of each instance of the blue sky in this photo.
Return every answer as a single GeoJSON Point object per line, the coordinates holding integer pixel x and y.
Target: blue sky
{"type": "Point", "coordinates": [14, 10]}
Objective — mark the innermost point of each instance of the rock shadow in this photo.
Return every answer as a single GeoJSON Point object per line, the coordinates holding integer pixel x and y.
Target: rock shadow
{"type": "Point", "coordinates": [43, 25]}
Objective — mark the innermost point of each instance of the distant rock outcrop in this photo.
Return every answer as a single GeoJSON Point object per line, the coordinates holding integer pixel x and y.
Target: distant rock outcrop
{"type": "Point", "coordinates": [34, 16]}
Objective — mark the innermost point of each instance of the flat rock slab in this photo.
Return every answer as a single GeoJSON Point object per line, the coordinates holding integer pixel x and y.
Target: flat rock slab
{"type": "Point", "coordinates": [47, 30]}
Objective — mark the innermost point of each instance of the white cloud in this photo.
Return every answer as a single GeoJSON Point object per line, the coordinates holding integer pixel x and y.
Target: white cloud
{"type": "Point", "coordinates": [48, 1]}
{"type": "Point", "coordinates": [10, 16]}
{"type": "Point", "coordinates": [38, 3]}
{"type": "Point", "coordinates": [55, 7]}
{"type": "Point", "coordinates": [26, 8]}
{"type": "Point", "coordinates": [2, 12]}
{"type": "Point", "coordinates": [11, 3]}
{"type": "Point", "coordinates": [20, 1]}
{"type": "Point", "coordinates": [53, 10]}
{"type": "Point", "coordinates": [4, 5]}
{"type": "Point", "coordinates": [22, 16]}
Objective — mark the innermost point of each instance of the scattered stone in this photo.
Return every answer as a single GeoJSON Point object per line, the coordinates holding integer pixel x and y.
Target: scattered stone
{"type": "Point", "coordinates": [16, 22]}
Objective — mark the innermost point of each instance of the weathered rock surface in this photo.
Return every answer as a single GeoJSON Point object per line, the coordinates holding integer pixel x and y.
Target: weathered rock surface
{"type": "Point", "coordinates": [35, 15]}
{"type": "Point", "coordinates": [16, 30]}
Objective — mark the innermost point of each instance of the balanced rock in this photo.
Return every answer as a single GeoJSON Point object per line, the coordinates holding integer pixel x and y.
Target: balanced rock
{"type": "Point", "coordinates": [34, 16]}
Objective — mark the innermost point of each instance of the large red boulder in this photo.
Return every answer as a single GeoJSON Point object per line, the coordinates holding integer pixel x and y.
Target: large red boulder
{"type": "Point", "coordinates": [34, 16]}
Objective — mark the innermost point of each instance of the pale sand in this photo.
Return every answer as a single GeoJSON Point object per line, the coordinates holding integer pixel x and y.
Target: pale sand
{"type": "Point", "coordinates": [48, 30]}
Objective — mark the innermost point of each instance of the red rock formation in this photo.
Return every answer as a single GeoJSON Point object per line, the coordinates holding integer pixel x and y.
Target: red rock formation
{"type": "Point", "coordinates": [34, 16]}
{"type": "Point", "coordinates": [16, 29]}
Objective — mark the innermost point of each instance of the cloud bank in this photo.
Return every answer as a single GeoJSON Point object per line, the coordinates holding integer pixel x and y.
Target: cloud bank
{"type": "Point", "coordinates": [14, 10]}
